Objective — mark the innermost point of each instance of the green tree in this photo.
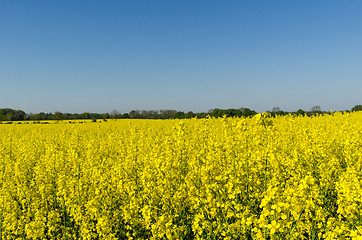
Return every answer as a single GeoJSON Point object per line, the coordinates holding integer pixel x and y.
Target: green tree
{"type": "Point", "coordinates": [300, 112]}
{"type": "Point", "coordinates": [190, 114]}
{"type": "Point", "coordinates": [58, 116]}
{"type": "Point", "coordinates": [180, 115]}
{"type": "Point", "coordinates": [357, 108]}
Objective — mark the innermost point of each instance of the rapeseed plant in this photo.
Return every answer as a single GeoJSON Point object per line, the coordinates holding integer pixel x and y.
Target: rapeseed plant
{"type": "Point", "coordinates": [265, 177]}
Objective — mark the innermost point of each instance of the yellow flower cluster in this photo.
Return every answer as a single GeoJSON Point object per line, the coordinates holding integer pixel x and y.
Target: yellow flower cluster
{"type": "Point", "coordinates": [264, 177]}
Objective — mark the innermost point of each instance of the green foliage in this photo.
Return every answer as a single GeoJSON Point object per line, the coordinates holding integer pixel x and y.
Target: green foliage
{"type": "Point", "coordinates": [357, 108]}
{"type": "Point", "coordinates": [7, 114]}
{"type": "Point", "coordinates": [231, 112]}
{"type": "Point", "coordinates": [300, 112]}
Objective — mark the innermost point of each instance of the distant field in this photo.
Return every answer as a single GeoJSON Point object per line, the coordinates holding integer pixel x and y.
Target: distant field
{"type": "Point", "coordinates": [56, 121]}
{"type": "Point", "coordinates": [229, 178]}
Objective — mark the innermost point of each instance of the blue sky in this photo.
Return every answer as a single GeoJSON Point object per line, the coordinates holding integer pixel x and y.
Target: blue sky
{"type": "Point", "coordinates": [97, 56]}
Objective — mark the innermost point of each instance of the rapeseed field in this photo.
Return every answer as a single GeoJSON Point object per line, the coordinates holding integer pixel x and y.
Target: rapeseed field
{"type": "Point", "coordinates": [264, 177]}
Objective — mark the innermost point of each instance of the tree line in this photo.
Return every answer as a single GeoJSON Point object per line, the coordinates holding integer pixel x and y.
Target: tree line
{"type": "Point", "coordinates": [8, 114]}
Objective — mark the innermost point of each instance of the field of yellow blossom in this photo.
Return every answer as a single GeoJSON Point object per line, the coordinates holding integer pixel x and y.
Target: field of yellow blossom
{"type": "Point", "coordinates": [264, 177]}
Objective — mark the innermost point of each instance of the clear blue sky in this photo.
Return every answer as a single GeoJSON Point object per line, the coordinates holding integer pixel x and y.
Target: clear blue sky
{"type": "Point", "coordinates": [97, 56]}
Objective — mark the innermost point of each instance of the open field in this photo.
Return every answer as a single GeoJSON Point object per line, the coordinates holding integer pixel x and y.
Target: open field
{"type": "Point", "coordinates": [229, 178]}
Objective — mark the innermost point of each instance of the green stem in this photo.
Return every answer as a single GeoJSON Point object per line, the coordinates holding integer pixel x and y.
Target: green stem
{"type": "Point", "coordinates": [266, 161]}
{"type": "Point", "coordinates": [1, 220]}
{"type": "Point", "coordinates": [300, 215]}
